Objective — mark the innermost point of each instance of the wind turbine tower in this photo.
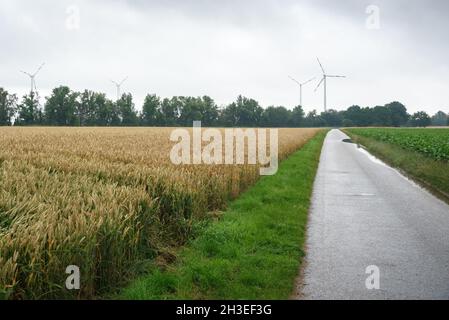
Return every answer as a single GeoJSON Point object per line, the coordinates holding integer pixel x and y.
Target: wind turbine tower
{"type": "Point", "coordinates": [300, 88]}
{"type": "Point", "coordinates": [324, 79]}
{"type": "Point", "coordinates": [33, 78]}
{"type": "Point", "coordinates": [119, 86]}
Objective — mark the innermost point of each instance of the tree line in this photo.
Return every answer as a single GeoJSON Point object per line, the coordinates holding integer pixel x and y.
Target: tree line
{"type": "Point", "coordinates": [65, 107]}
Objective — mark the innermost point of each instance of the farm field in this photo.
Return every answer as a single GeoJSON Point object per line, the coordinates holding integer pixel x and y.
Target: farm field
{"type": "Point", "coordinates": [423, 154]}
{"type": "Point", "coordinates": [433, 142]}
{"type": "Point", "coordinates": [102, 199]}
{"type": "Point", "coordinates": [254, 251]}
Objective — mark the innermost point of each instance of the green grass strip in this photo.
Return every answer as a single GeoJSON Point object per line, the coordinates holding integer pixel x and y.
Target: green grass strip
{"type": "Point", "coordinates": [254, 251]}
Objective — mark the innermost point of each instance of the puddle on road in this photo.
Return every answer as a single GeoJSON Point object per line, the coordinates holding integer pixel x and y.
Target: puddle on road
{"type": "Point", "coordinates": [380, 162]}
{"type": "Point", "coordinates": [372, 158]}
{"type": "Point", "coordinates": [359, 194]}
{"type": "Point", "coordinates": [369, 155]}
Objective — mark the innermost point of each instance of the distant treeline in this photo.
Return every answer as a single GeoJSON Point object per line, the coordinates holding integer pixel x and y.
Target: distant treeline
{"type": "Point", "coordinates": [69, 108]}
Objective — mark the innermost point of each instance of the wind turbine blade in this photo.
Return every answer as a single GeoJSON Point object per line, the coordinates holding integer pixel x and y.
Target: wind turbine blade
{"type": "Point", "coordinates": [319, 84]}
{"type": "Point", "coordinates": [336, 76]}
{"type": "Point", "coordinates": [309, 81]}
{"type": "Point", "coordinates": [126, 78]}
{"type": "Point", "coordinates": [39, 69]}
{"type": "Point", "coordinates": [114, 82]}
{"type": "Point", "coordinates": [321, 66]}
{"type": "Point", "coordinates": [29, 75]}
{"type": "Point", "coordinates": [293, 79]}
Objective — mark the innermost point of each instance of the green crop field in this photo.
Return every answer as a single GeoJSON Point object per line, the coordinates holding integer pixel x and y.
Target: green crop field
{"type": "Point", "coordinates": [433, 143]}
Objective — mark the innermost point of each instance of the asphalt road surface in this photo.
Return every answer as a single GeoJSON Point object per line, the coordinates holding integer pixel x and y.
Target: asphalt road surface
{"type": "Point", "coordinates": [364, 213]}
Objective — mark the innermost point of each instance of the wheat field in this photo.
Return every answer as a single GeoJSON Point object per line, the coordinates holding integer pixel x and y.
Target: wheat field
{"type": "Point", "coordinates": [102, 199]}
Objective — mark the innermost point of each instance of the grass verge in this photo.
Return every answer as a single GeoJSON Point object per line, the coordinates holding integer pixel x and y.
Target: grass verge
{"type": "Point", "coordinates": [430, 173]}
{"type": "Point", "coordinates": [254, 251]}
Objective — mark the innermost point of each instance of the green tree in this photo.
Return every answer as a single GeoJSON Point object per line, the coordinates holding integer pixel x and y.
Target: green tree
{"type": "Point", "coordinates": [440, 119]}
{"type": "Point", "coordinates": [276, 117]}
{"type": "Point", "coordinates": [355, 115]}
{"type": "Point", "coordinates": [420, 119]}
{"type": "Point", "coordinates": [127, 111]}
{"type": "Point", "coordinates": [114, 112]}
{"type": "Point", "coordinates": [151, 110]}
{"type": "Point", "coordinates": [229, 117]}
{"type": "Point", "coordinates": [8, 107]}
{"type": "Point", "coordinates": [105, 111]}
{"type": "Point", "coordinates": [190, 109]}
{"type": "Point", "coordinates": [61, 107]}
{"type": "Point", "coordinates": [29, 110]}
{"type": "Point", "coordinates": [250, 112]}
{"type": "Point", "coordinates": [209, 111]}
{"type": "Point", "coordinates": [332, 118]}
{"type": "Point", "coordinates": [399, 115]}
{"type": "Point", "coordinates": [244, 112]}
{"type": "Point", "coordinates": [169, 112]}
{"type": "Point", "coordinates": [359, 117]}
{"type": "Point", "coordinates": [347, 123]}
{"type": "Point", "coordinates": [313, 120]}
{"type": "Point", "coordinates": [297, 117]}
{"type": "Point", "coordinates": [87, 108]}
{"type": "Point", "coordinates": [381, 116]}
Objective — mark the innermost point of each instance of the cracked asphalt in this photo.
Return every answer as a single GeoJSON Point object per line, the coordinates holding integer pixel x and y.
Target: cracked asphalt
{"type": "Point", "coordinates": [365, 213]}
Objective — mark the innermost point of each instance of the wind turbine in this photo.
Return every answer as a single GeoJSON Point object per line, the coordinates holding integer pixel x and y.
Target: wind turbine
{"type": "Point", "coordinates": [324, 79]}
{"type": "Point", "coordinates": [300, 87]}
{"type": "Point", "coordinates": [119, 85]}
{"type": "Point", "coordinates": [33, 77]}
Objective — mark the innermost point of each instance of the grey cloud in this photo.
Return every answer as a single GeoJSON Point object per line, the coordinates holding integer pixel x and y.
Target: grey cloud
{"type": "Point", "coordinates": [224, 48]}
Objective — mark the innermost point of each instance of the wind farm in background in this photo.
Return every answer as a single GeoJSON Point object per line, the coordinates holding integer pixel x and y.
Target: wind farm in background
{"type": "Point", "coordinates": [181, 110]}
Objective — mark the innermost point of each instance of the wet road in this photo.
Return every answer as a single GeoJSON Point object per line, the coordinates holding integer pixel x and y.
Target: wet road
{"type": "Point", "coordinates": [365, 213]}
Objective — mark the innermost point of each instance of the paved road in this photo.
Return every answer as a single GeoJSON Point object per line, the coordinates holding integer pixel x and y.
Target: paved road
{"type": "Point", "coordinates": [365, 213]}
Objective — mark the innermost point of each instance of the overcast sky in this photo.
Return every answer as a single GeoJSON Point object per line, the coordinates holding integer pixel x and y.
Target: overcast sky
{"type": "Point", "coordinates": [226, 48]}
